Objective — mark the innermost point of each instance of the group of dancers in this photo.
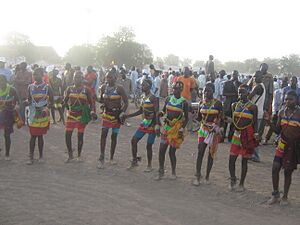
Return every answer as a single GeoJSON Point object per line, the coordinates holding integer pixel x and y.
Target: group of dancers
{"type": "Point", "coordinates": [169, 124]}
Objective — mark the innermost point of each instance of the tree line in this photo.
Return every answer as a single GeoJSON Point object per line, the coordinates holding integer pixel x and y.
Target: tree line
{"type": "Point", "coordinates": [122, 48]}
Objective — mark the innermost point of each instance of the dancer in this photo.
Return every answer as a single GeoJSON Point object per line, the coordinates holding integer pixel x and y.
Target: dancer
{"type": "Point", "coordinates": [40, 98]}
{"type": "Point", "coordinates": [244, 137]}
{"type": "Point", "coordinates": [175, 111]}
{"type": "Point", "coordinates": [8, 113]}
{"type": "Point", "coordinates": [209, 133]}
{"type": "Point", "coordinates": [287, 154]}
{"type": "Point", "coordinates": [79, 104]}
{"type": "Point", "coordinates": [114, 102]}
{"type": "Point", "coordinates": [149, 124]}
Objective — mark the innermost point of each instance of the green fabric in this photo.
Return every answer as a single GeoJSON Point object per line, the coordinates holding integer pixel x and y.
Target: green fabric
{"type": "Point", "coordinates": [86, 113]}
{"type": "Point", "coordinates": [6, 91]}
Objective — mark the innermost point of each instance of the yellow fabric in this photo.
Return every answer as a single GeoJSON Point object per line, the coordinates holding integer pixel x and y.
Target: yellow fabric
{"type": "Point", "coordinates": [172, 134]}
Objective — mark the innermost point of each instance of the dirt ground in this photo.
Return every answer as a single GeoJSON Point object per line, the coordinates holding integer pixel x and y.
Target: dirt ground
{"type": "Point", "coordinates": [55, 193]}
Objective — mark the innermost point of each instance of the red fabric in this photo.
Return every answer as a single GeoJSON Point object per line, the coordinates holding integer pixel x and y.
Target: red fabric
{"type": "Point", "coordinates": [37, 131]}
{"type": "Point", "coordinates": [248, 144]}
{"type": "Point", "coordinates": [247, 139]}
{"type": "Point", "coordinates": [108, 124]}
{"type": "Point", "coordinates": [71, 125]}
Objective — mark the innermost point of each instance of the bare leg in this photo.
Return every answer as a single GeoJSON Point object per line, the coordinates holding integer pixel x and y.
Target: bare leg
{"type": "Point", "coordinates": [232, 161]}
{"type": "Point", "coordinates": [80, 143]}
{"type": "Point", "coordinates": [201, 151]}
{"type": "Point", "coordinates": [7, 143]}
{"type": "Point", "coordinates": [41, 145]}
{"type": "Point", "coordinates": [104, 133]}
{"type": "Point", "coordinates": [244, 171]}
{"type": "Point", "coordinates": [134, 142]}
{"type": "Point", "coordinates": [113, 145]}
{"type": "Point", "coordinates": [275, 180]}
{"type": "Point", "coordinates": [162, 157]}
{"type": "Point", "coordinates": [149, 155]}
{"type": "Point", "coordinates": [210, 162]}
{"type": "Point", "coordinates": [61, 115]}
{"type": "Point", "coordinates": [31, 148]}
{"type": "Point", "coordinates": [53, 114]}
{"type": "Point", "coordinates": [275, 175]}
{"type": "Point", "coordinates": [287, 182]}
{"type": "Point", "coordinates": [172, 154]}
{"type": "Point", "coordinates": [69, 144]}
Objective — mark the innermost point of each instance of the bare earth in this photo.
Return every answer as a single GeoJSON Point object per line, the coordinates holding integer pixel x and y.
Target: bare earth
{"type": "Point", "coordinates": [78, 193]}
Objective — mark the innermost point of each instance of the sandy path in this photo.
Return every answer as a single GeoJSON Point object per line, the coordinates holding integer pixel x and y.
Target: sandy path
{"type": "Point", "coordinates": [77, 193]}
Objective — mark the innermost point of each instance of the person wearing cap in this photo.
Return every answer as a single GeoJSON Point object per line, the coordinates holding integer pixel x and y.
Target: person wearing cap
{"type": "Point", "coordinates": [149, 124]}
{"type": "Point", "coordinates": [8, 113]}
{"type": "Point", "coordinates": [5, 72]}
{"type": "Point", "coordinates": [175, 115]}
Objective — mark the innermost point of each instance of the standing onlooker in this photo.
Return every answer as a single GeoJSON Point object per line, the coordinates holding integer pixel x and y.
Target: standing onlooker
{"type": "Point", "coordinates": [188, 86]}
{"type": "Point", "coordinates": [219, 85]}
{"type": "Point", "coordinates": [202, 80]}
{"type": "Point", "coordinates": [230, 92]}
{"type": "Point", "coordinates": [276, 106]}
{"type": "Point", "coordinates": [90, 80]}
{"type": "Point", "coordinates": [133, 77]}
{"type": "Point", "coordinates": [68, 76]}
{"type": "Point", "coordinates": [21, 81]}
{"type": "Point", "coordinates": [5, 71]}
{"type": "Point", "coordinates": [127, 85]}
{"type": "Point", "coordinates": [170, 82]}
{"type": "Point", "coordinates": [276, 84]}
{"type": "Point", "coordinates": [257, 96]}
{"type": "Point", "coordinates": [293, 86]}
{"type": "Point", "coordinates": [163, 87]}
{"type": "Point", "coordinates": [210, 68]}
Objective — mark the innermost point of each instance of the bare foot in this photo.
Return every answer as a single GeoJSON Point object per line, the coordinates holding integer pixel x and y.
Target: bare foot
{"type": "Point", "coordinates": [148, 169]}
{"type": "Point", "coordinates": [100, 164]}
{"type": "Point", "coordinates": [29, 162]}
{"type": "Point", "coordinates": [196, 182]}
{"type": "Point", "coordinates": [69, 160]}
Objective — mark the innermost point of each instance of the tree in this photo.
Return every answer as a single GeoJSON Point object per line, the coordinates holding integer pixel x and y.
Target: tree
{"type": "Point", "coordinates": [274, 65]}
{"type": "Point", "coordinates": [251, 65]}
{"type": "Point", "coordinates": [159, 62]}
{"type": "Point", "coordinates": [172, 60]}
{"type": "Point", "coordinates": [21, 45]}
{"type": "Point", "coordinates": [121, 48]}
{"type": "Point", "coordinates": [82, 55]}
{"type": "Point", "coordinates": [186, 62]}
{"type": "Point", "coordinates": [48, 54]}
{"type": "Point", "coordinates": [199, 64]}
{"type": "Point", "coordinates": [290, 64]}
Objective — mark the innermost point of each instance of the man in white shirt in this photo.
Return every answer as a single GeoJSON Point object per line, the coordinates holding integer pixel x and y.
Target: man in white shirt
{"type": "Point", "coordinates": [219, 84]}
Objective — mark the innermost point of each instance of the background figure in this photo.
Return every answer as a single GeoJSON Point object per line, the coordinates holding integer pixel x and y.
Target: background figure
{"type": "Point", "coordinates": [230, 92]}
{"type": "Point", "coordinates": [210, 68]}
{"type": "Point", "coordinates": [21, 81]}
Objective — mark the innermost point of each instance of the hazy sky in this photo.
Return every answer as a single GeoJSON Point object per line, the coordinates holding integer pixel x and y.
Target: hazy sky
{"type": "Point", "coordinates": [228, 29]}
